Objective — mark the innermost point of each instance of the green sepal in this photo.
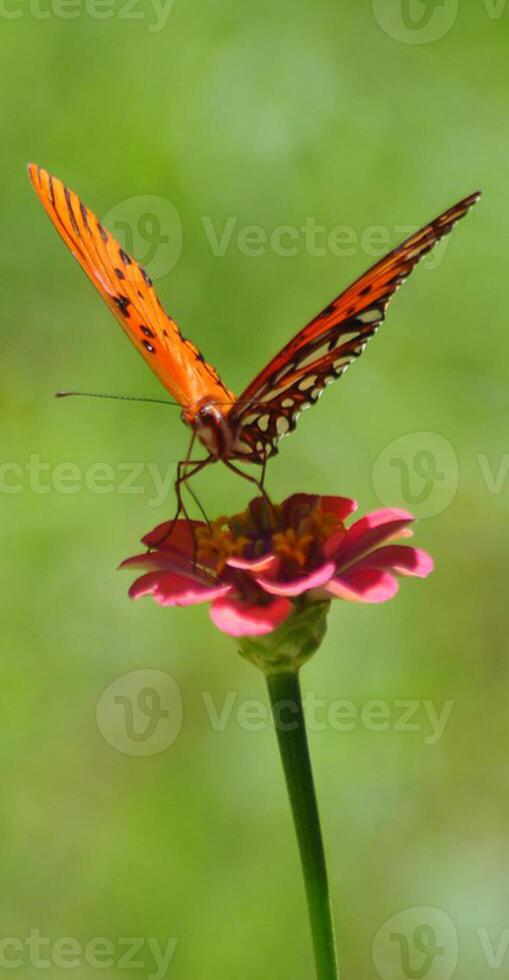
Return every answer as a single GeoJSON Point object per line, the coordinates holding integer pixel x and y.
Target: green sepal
{"type": "Point", "coordinates": [292, 644]}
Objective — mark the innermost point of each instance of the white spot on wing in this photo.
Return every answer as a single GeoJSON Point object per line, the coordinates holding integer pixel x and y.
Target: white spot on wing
{"type": "Point", "coordinates": [340, 363]}
{"type": "Point", "coordinates": [307, 382]}
{"type": "Point", "coordinates": [369, 316]}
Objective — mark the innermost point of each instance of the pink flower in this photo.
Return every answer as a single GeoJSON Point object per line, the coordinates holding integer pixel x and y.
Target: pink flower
{"type": "Point", "coordinates": [257, 567]}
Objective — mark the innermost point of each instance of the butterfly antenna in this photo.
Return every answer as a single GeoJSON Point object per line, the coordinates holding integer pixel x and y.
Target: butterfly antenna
{"type": "Point", "coordinates": [122, 398]}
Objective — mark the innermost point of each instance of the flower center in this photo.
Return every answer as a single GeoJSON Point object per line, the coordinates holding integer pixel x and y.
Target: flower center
{"type": "Point", "coordinates": [216, 543]}
{"type": "Point", "coordinates": [298, 547]}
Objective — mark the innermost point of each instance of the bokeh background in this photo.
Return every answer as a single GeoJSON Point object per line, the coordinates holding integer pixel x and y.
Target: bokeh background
{"type": "Point", "coordinates": [351, 115]}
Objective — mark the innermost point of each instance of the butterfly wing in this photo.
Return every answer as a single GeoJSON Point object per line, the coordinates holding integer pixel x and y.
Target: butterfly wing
{"type": "Point", "coordinates": [322, 350]}
{"type": "Point", "coordinates": [130, 295]}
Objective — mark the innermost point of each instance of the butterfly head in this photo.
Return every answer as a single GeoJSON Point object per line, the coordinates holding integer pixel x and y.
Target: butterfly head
{"type": "Point", "coordinates": [213, 429]}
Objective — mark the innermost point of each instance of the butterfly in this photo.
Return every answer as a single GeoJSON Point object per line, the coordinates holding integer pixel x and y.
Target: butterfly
{"type": "Point", "coordinates": [245, 429]}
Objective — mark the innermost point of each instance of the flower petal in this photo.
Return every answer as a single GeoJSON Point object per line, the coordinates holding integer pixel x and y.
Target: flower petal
{"type": "Point", "coordinates": [252, 564]}
{"type": "Point", "coordinates": [181, 538]}
{"type": "Point", "coordinates": [365, 585]}
{"type": "Point", "coordinates": [170, 589]}
{"type": "Point", "coordinates": [299, 505]}
{"type": "Point", "coordinates": [370, 531]}
{"type": "Point", "coordinates": [404, 561]}
{"type": "Point", "coordinates": [297, 586]}
{"type": "Point", "coordinates": [240, 618]}
{"type": "Point", "coordinates": [167, 561]}
{"type": "Point", "coordinates": [153, 560]}
{"type": "Point", "coordinates": [331, 546]}
{"type": "Point", "coordinates": [341, 507]}
{"type": "Point", "coordinates": [144, 585]}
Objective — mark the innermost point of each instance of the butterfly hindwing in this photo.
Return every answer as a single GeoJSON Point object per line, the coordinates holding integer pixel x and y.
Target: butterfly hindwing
{"type": "Point", "coordinates": [325, 347]}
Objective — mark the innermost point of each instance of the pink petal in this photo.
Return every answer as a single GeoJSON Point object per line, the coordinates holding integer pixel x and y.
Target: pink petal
{"type": "Point", "coordinates": [155, 560]}
{"type": "Point", "coordinates": [342, 507]}
{"type": "Point", "coordinates": [370, 531]}
{"type": "Point", "coordinates": [297, 586]}
{"type": "Point", "coordinates": [300, 504]}
{"type": "Point", "coordinates": [167, 561]}
{"type": "Point", "coordinates": [254, 564]}
{"type": "Point", "coordinates": [169, 589]}
{"type": "Point", "coordinates": [243, 619]}
{"type": "Point", "coordinates": [181, 538]}
{"type": "Point", "coordinates": [144, 585]}
{"type": "Point", "coordinates": [404, 561]}
{"type": "Point", "coordinates": [331, 546]}
{"type": "Point", "coordinates": [365, 585]}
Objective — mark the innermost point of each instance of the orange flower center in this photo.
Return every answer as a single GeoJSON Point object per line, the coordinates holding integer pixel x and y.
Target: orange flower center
{"type": "Point", "coordinates": [216, 543]}
{"type": "Point", "coordinates": [239, 536]}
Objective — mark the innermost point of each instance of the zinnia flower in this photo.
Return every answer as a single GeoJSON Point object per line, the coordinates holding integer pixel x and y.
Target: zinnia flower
{"type": "Point", "coordinates": [258, 567]}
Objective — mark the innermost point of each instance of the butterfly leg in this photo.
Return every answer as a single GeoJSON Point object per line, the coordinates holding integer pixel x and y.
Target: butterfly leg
{"type": "Point", "coordinates": [252, 479]}
{"type": "Point", "coordinates": [182, 477]}
{"type": "Point", "coordinates": [194, 497]}
{"type": "Point", "coordinates": [183, 481]}
{"type": "Point", "coordinates": [264, 472]}
{"type": "Point", "coordinates": [179, 482]}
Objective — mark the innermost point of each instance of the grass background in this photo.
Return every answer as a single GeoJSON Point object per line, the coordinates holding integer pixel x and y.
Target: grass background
{"type": "Point", "coordinates": [268, 114]}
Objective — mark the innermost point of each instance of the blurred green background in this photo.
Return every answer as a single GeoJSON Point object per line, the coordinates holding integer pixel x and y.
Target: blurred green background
{"type": "Point", "coordinates": [354, 115]}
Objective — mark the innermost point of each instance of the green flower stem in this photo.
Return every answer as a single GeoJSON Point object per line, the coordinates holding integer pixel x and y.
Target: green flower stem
{"type": "Point", "coordinates": [288, 713]}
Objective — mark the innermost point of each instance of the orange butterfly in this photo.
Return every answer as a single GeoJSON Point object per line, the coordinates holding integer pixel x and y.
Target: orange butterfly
{"type": "Point", "coordinates": [248, 428]}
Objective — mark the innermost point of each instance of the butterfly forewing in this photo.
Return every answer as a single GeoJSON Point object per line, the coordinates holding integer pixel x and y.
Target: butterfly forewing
{"type": "Point", "coordinates": [293, 380]}
{"type": "Point", "coordinates": [324, 348]}
{"type": "Point", "coordinates": [130, 295]}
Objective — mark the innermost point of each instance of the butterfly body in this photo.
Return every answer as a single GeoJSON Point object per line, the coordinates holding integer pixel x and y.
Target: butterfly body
{"type": "Point", "coordinates": [245, 429]}
{"type": "Point", "coordinates": [212, 426]}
